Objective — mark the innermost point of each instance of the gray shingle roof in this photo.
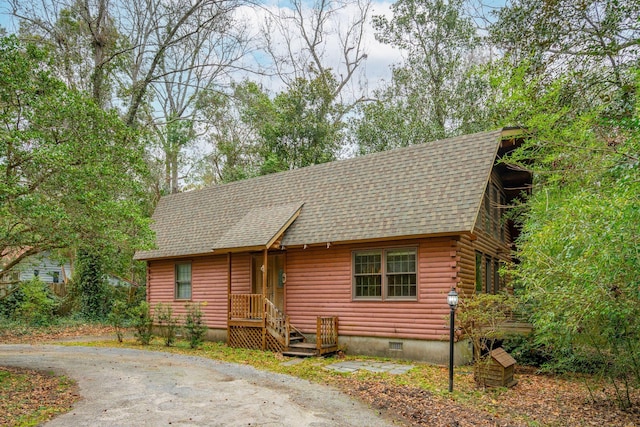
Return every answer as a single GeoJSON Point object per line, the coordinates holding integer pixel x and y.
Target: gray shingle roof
{"type": "Point", "coordinates": [431, 188]}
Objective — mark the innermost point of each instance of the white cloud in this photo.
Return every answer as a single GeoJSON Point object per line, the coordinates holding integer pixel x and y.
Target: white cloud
{"type": "Point", "coordinates": [374, 71]}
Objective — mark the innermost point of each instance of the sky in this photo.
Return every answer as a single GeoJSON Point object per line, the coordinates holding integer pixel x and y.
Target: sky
{"type": "Point", "coordinates": [376, 69]}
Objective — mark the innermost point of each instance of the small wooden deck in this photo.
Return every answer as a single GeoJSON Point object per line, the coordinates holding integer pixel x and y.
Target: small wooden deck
{"type": "Point", "coordinates": [255, 322]}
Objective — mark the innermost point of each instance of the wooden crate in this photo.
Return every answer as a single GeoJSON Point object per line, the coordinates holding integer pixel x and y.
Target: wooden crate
{"type": "Point", "coordinates": [497, 370]}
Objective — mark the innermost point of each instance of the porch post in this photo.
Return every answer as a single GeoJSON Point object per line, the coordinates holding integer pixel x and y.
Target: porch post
{"type": "Point", "coordinates": [228, 287]}
{"type": "Point", "coordinates": [265, 262]}
{"type": "Point", "coordinates": [264, 298]}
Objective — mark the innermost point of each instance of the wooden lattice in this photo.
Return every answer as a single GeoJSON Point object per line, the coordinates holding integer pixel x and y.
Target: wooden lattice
{"type": "Point", "coordinates": [273, 344]}
{"type": "Point", "coordinates": [245, 337]}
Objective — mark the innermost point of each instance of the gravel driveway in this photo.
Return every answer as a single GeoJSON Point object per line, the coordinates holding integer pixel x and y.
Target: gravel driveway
{"type": "Point", "coordinates": [124, 387]}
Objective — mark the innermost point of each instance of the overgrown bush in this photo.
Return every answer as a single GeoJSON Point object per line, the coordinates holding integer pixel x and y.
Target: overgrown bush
{"type": "Point", "coordinates": [167, 322]}
{"type": "Point", "coordinates": [142, 322]}
{"type": "Point", "coordinates": [91, 285]}
{"type": "Point", "coordinates": [480, 317]}
{"type": "Point", "coordinates": [10, 303]}
{"type": "Point", "coordinates": [194, 326]}
{"type": "Point", "coordinates": [527, 351]}
{"type": "Point", "coordinates": [38, 304]}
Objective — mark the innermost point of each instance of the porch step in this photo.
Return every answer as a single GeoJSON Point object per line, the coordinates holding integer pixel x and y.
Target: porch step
{"type": "Point", "coordinates": [296, 337]}
{"type": "Point", "coordinates": [303, 349]}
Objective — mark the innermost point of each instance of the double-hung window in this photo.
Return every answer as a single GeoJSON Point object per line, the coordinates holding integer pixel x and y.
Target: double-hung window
{"type": "Point", "coordinates": [183, 281]}
{"type": "Point", "coordinates": [385, 274]}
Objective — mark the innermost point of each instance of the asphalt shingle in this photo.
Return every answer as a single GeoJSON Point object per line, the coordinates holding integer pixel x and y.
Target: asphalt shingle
{"type": "Point", "coordinates": [436, 187]}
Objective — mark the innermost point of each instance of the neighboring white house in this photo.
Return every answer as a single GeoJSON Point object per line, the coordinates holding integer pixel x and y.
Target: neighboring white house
{"type": "Point", "coordinates": [43, 266]}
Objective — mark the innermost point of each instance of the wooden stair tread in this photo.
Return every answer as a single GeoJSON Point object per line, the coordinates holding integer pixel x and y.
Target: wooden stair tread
{"type": "Point", "coordinates": [308, 345]}
{"type": "Point", "coordinates": [299, 354]}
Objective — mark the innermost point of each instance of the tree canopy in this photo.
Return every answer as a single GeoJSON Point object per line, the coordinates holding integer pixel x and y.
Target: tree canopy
{"type": "Point", "coordinates": [71, 171]}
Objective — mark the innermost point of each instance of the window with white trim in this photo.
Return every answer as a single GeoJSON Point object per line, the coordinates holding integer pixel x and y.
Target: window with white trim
{"type": "Point", "coordinates": [385, 274]}
{"type": "Point", "coordinates": [183, 281]}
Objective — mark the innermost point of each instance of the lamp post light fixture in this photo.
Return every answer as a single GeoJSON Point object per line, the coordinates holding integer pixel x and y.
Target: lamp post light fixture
{"type": "Point", "coordinates": [452, 300]}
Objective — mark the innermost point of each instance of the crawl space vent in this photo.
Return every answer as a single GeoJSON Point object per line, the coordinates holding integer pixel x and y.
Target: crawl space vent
{"type": "Point", "coordinates": [395, 346]}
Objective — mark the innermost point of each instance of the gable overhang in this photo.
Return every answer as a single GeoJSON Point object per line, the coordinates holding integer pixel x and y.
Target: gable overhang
{"type": "Point", "coordinates": [259, 229]}
{"type": "Point", "coordinates": [509, 139]}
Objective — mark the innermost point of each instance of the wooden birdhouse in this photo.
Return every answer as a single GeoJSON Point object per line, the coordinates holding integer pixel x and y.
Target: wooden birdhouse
{"type": "Point", "coordinates": [496, 370]}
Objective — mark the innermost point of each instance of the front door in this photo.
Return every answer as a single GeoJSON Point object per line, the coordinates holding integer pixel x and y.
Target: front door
{"type": "Point", "coordinates": [275, 277]}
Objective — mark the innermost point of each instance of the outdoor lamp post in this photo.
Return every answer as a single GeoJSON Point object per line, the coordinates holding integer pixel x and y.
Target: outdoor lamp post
{"type": "Point", "coordinates": [452, 300]}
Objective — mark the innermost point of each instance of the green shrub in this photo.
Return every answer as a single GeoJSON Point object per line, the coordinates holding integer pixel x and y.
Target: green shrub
{"type": "Point", "coordinates": [38, 305]}
{"type": "Point", "coordinates": [142, 322]}
{"type": "Point", "coordinates": [194, 327]}
{"type": "Point", "coordinates": [119, 318]}
{"type": "Point", "coordinates": [10, 303]}
{"type": "Point", "coordinates": [167, 322]}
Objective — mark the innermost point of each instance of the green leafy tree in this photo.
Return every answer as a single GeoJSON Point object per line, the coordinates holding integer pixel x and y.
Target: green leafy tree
{"type": "Point", "coordinates": [194, 326]}
{"type": "Point", "coordinates": [571, 76]}
{"type": "Point", "coordinates": [233, 142]}
{"type": "Point", "coordinates": [70, 171]}
{"type": "Point", "coordinates": [142, 322]}
{"type": "Point", "coordinates": [119, 318]}
{"type": "Point", "coordinates": [38, 304]}
{"type": "Point", "coordinates": [578, 251]}
{"type": "Point", "coordinates": [298, 127]}
{"type": "Point", "coordinates": [595, 40]}
{"type": "Point", "coordinates": [167, 323]}
{"type": "Point", "coordinates": [435, 93]}
{"type": "Point", "coordinates": [91, 285]}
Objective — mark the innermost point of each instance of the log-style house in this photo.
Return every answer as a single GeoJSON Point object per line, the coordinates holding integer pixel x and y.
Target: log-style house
{"type": "Point", "coordinates": [359, 253]}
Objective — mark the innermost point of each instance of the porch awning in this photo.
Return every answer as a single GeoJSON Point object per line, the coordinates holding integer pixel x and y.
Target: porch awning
{"type": "Point", "coordinates": [259, 228]}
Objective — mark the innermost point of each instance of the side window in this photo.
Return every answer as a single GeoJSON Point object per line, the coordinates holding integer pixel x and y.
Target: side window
{"type": "Point", "coordinates": [479, 276]}
{"type": "Point", "coordinates": [385, 274]}
{"type": "Point", "coordinates": [367, 269]}
{"type": "Point", "coordinates": [183, 281]}
{"type": "Point", "coordinates": [496, 276]}
{"type": "Point", "coordinates": [401, 273]}
{"type": "Point", "coordinates": [488, 277]}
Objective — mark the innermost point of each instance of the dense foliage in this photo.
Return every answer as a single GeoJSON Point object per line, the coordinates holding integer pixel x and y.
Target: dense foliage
{"type": "Point", "coordinates": [578, 251]}
{"type": "Point", "coordinates": [70, 171]}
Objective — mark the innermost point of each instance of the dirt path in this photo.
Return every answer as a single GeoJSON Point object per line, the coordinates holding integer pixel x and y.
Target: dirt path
{"type": "Point", "coordinates": [124, 387]}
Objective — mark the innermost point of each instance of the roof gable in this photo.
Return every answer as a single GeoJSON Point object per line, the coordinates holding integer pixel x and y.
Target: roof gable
{"type": "Point", "coordinates": [431, 188]}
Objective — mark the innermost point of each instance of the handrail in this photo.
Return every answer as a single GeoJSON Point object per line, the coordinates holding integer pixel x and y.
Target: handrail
{"type": "Point", "coordinates": [277, 322]}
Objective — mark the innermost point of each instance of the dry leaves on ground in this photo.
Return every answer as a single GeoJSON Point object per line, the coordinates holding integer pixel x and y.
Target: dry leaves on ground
{"type": "Point", "coordinates": [535, 400]}
{"type": "Point", "coordinates": [25, 394]}
{"type": "Point", "coordinates": [53, 333]}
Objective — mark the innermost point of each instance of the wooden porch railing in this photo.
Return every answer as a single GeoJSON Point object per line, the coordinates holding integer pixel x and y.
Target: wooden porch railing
{"type": "Point", "coordinates": [246, 306]}
{"type": "Point", "coordinates": [255, 322]}
{"type": "Point", "coordinates": [326, 335]}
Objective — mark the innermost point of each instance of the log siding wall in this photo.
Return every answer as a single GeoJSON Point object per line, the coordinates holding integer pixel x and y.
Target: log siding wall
{"type": "Point", "coordinates": [319, 283]}
{"type": "Point", "coordinates": [485, 241]}
{"type": "Point", "coordinates": [208, 284]}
